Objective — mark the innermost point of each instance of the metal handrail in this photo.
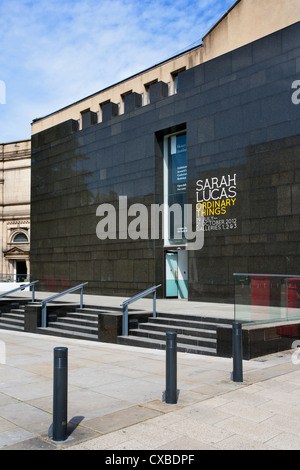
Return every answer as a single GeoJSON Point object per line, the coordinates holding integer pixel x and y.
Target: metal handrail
{"type": "Point", "coordinates": [55, 296]}
{"type": "Point", "coordinates": [22, 287]}
{"type": "Point", "coordinates": [124, 305]}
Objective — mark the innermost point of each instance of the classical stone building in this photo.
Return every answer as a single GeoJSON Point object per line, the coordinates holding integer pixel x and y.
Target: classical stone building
{"type": "Point", "coordinates": [15, 158]}
{"type": "Point", "coordinates": [218, 125]}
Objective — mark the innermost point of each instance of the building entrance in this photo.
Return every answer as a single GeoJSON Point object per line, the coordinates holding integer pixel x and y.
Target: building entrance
{"type": "Point", "coordinates": [20, 271]}
{"type": "Point", "coordinates": [175, 196]}
{"type": "Point", "coordinates": [176, 274]}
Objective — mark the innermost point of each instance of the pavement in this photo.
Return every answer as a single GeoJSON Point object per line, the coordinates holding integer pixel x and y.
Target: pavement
{"type": "Point", "coordinates": [115, 395]}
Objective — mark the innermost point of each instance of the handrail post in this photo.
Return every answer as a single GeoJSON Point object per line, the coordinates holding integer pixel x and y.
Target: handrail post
{"type": "Point", "coordinates": [125, 304]}
{"type": "Point", "coordinates": [33, 296]}
{"type": "Point", "coordinates": [125, 321]}
{"type": "Point", "coordinates": [154, 304]}
{"type": "Point", "coordinates": [44, 315]}
{"type": "Point", "coordinates": [81, 297]}
{"type": "Point", "coordinates": [49, 299]}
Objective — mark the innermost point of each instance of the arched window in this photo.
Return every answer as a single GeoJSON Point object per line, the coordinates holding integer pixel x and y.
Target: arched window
{"type": "Point", "coordinates": [20, 238]}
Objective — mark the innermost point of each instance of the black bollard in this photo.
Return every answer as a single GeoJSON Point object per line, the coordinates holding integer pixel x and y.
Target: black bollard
{"type": "Point", "coordinates": [171, 368]}
{"type": "Point", "coordinates": [237, 352]}
{"type": "Point", "coordinates": [60, 394]}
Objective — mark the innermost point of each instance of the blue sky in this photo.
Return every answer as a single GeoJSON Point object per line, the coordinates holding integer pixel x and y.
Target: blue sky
{"type": "Point", "coordinates": [56, 52]}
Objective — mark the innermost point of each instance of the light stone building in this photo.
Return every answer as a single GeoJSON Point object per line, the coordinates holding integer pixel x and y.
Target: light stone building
{"type": "Point", "coordinates": [15, 210]}
{"type": "Point", "coordinates": [245, 22]}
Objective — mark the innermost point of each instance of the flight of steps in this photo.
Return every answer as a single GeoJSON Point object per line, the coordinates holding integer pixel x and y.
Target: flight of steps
{"type": "Point", "coordinates": [82, 323]}
{"type": "Point", "coordinates": [12, 318]}
{"type": "Point", "coordinates": [195, 334]}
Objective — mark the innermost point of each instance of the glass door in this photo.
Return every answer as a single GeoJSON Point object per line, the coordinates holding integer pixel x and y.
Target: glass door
{"type": "Point", "coordinates": [176, 274]}
{"type": "Point", "coordinates": [171, 274]}
{"type": "Point", "coordinates": [175, 199]}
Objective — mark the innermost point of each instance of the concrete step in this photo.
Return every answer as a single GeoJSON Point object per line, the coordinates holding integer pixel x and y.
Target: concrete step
{"type": "Point", "coordinates": [11, 326]}
{"type": "Point", "coordinates": [82, 323]}
{"type": "Point", "coordinates": [184, 330]}
{"type": "Point", "coordinates": [144, 342]}
{"type": "Point", "coordinates": [13, 320]}
{"type": "Point", "coordinates": [194, 318]}
{"type": "Point", "coordinates": [68, 333]}
{"type": "Point", "coordinates": [181, 338]}
{"type": "Point", "coordinates": [95, 310]}
{"type": "Point", "coordinates": [75, 326]}
{"type": "Point", "coordinates": [195, 333]}
{"type": "Point", "coordinates": [79, 324]}
{"type": "Point", "coordinates": [82, 314]}
{"type": "Point", "coordinates": [196, 324]}
{"type": "Point", "coordinates": [77, 320]}
{"type": "Point", "coordinates": [18, 310]}
{"type": "Point", "coordinates": [12, 315]}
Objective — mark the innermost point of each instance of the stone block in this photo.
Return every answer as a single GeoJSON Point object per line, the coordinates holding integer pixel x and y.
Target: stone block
{"type": "Point", "coordinates": [109, 111]}
{"type": "Point", "coordinates": [88, 119]}
{"type": "Point", "coordinates": [259, 340]}
{"type": "Point", "coordinates": [158, 91]}
{"type": "Point", "coordinates": [132, 101]}
{"type": "Point", "coordinates": [32, 317]}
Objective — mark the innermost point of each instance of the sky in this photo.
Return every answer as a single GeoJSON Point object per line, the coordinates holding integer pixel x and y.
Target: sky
{"type": "Point", "coordinates": [56, 52]}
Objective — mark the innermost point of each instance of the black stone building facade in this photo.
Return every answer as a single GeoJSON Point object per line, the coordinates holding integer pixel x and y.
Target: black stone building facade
{"type": "Point", "coordinates": [232, 138]}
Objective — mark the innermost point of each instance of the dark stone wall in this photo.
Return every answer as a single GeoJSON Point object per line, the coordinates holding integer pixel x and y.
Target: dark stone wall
{"type": "Point", "coordinates": [71, 177]}
{"type": "Point", "coordinates": [247, 126]}
{"type": "Point", "coordinates": [240, 123]}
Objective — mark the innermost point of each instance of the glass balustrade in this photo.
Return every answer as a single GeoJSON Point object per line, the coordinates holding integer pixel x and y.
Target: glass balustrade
{"type": "Point", "coordinates": [265, 298]}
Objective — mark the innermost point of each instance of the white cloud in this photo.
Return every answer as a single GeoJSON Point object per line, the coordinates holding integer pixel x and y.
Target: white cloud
{"type": "Point", "coordinates": [53, 53]}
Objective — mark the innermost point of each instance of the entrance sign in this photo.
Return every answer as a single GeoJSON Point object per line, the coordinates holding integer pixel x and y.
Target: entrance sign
{"type": "Point", "coordinates": [215, 199]}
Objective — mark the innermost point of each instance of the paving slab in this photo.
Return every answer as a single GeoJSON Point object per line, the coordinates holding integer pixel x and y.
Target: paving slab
{"type": "Point", "coordinates": [115, 399]}
{"type": "Point", "coordinates": [121, 419]}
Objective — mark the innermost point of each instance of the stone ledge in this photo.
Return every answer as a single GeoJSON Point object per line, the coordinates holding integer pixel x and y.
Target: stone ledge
{"type": "Point", "coordinates": [259, 340]}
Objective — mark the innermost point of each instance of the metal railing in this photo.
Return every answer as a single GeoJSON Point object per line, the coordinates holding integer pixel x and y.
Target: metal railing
{"type": "Point", "coordinates": [124, 305]}
{"type": "Point", "coordinates": [22, 287]}
{"type": "Point", "coordinates": [55, 296]}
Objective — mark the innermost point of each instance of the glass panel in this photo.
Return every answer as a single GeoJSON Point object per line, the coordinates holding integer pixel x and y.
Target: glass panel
{"type": "Point", "coordinates": [20, 237]}
{"type": "Point", "coordinates": [171, 275]}
{"type": "Point", "coordinates": [266, 298]}
{"type": "Point", "coordinates": [175, 186]}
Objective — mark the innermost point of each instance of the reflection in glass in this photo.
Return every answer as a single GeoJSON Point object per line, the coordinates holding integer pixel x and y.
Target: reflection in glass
{"type": "Point", "coordinates": [175, 186]}
{"type": "Point", "coordinates": [265, 298]}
